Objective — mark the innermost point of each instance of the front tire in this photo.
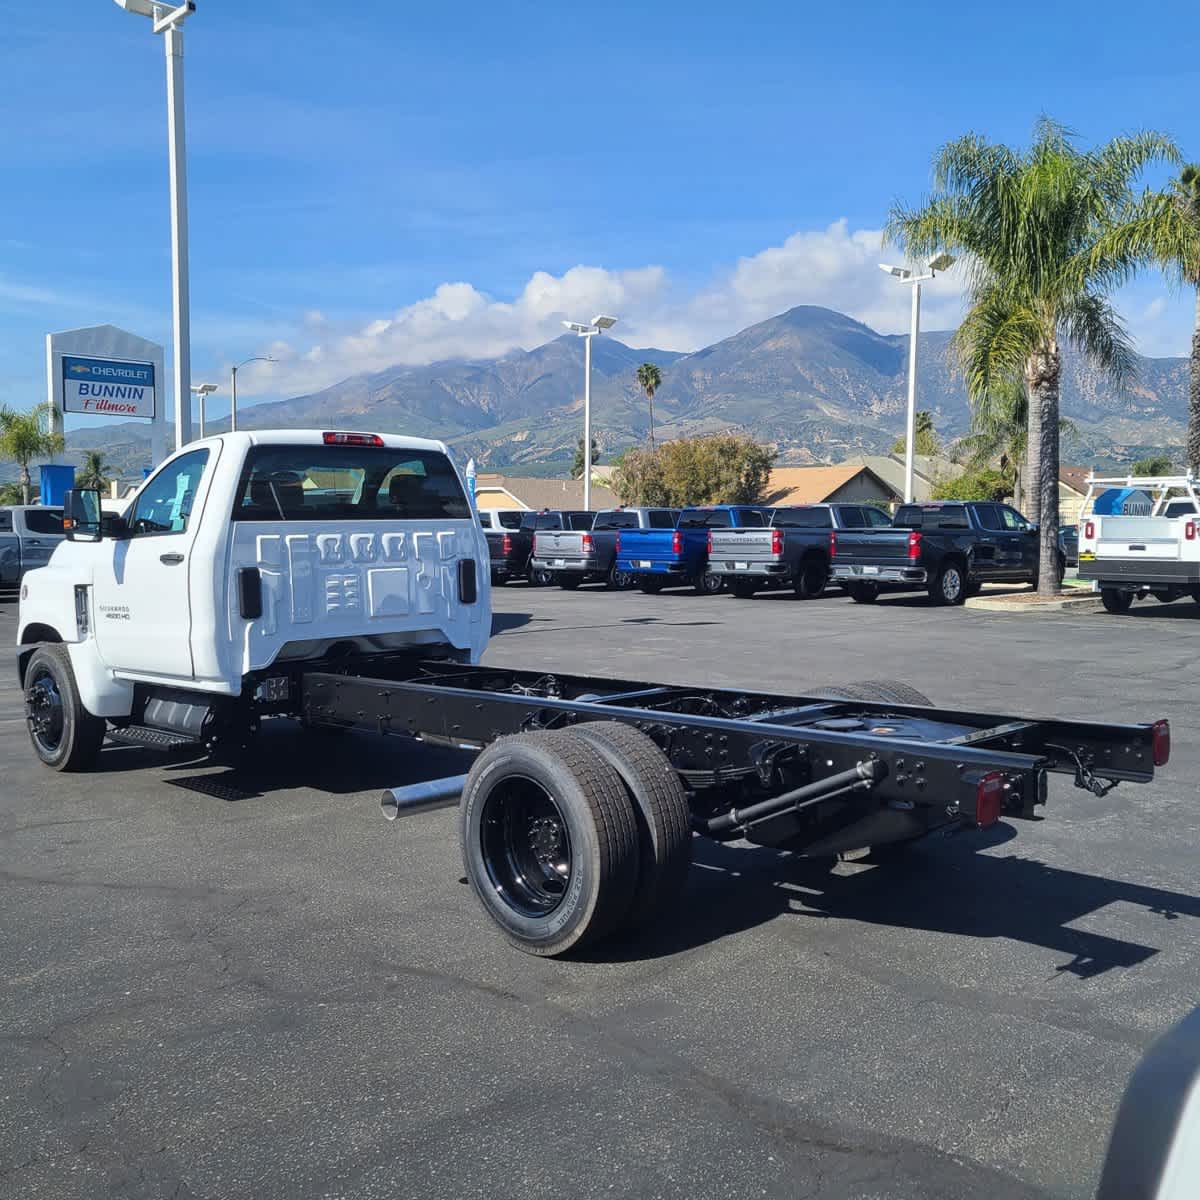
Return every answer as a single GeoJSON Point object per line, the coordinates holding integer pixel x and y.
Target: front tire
{"type": "Point", "coordinates": [549, 841]}
{"type": "Point", "coordinates": [950, 584]}
{"type": "Point", "coordinates": [65, 736]}
{"type": "Point", "coordinates": [1115, 600]}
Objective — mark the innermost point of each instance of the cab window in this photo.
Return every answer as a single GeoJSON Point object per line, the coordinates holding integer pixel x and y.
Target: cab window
{"type": "Point", "coordinates": [1013, 519]}
{"type": "Point", "coordinates": [876, 516]}
{"type": "Point", "coordinates": [164, 505]}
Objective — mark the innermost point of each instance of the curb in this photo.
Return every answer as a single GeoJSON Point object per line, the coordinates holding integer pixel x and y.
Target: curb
{"type": "Point", "coordinates": [1088, 602]}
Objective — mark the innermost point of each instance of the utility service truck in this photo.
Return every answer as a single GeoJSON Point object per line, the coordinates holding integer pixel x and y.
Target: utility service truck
{"type": "Point", "coordinates": [341, 579]}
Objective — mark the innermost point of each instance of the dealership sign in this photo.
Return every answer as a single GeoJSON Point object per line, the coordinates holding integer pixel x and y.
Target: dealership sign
{"type": "Point", "coordinates": [108, 387]}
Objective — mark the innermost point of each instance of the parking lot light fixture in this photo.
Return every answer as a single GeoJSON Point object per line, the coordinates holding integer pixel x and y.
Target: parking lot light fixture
{"type": "Point", "coordinates": [596, 326]}
{"type": "Point", "coordinates": [203, 390]}
{"type": "Point", "coordinates": [168, 20]}
{"type": "Point", "coordinates": [905, 275]}
{"type": "Point", "coordinates": [233, 385]}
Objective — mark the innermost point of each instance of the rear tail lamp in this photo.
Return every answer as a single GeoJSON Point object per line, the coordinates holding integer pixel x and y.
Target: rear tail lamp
{"type": "Point", "coordinates": [710, 541]}
{"type": "Point", "coordinates": [989, 799]}
{"type": "Point", "coordinates": [914, 545]}
{"type": "Point", "coordinates": [506, 544]}
{"type": "Point", "coordinates": [1089, 530]}
{"type": "Point", "coordinates": [352, 439]}
{"type": "Point", "coordinates": [587, 543]}
{"type": "Point", "coordinates": [1189, 531]}
{"type": "Point", "coordinates": [618, 541]}
{"type": "Point", "coordinates": [776, 541]}
{"type": "Point", "coordinates": [677, 542]}
{"type": "Point", "coordinates": [832, 543]}
{"type": "Point", "coordinates": [1162, 742]}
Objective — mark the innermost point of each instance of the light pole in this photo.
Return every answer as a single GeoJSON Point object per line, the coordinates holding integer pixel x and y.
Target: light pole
{"type": "Point", "coordinates": [168, 20]}
{"type": "Point", "coordinates": [233, 387]}
{"type": "Point", "coordinates": [598, 325]}
{"type": "Point", "coordinates": [941, 263]}
{"type": "Point", "coordinates": [203, 390]}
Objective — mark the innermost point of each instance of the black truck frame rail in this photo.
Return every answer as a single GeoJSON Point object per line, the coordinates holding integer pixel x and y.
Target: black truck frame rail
{"type": "Point", "coordinates": [808, 773]}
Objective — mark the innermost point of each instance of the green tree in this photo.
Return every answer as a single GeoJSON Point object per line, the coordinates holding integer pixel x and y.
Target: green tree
{"type": "Point", "coordinates": [723, 468]}
{"type": "Point", "coordinates": [1156, 464]}
{"type": "Point", "coordinates": [925, 437]}
{"type": "Point", "coordinates": [94, 472]}
{"type": "Point", "coordinates": [984, 483]}
{"type": "Point", "coordinates": [10, 493]}
{"type": "Point", "coordinates": [577, 464]}
{"type": "Point", "coordinates": [1028, 225]}
{"type": "Point", "coordinates": [1164, 228]}
{"type": "Point", "coordinates": [25, 436]}
{"type": "Point", "coordinates": [649, 379]}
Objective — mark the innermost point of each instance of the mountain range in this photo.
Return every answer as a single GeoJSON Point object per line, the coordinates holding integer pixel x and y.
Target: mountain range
{"type": "Point", "coordinates": [816, 383]}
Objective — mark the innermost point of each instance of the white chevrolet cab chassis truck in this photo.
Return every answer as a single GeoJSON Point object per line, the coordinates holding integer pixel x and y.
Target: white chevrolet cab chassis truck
{"type": "Point", "coordinates": [342, 579]}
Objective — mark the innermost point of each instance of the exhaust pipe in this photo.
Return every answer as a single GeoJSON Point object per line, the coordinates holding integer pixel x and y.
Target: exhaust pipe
{"type": "Point", "coordinates": [421, 797]}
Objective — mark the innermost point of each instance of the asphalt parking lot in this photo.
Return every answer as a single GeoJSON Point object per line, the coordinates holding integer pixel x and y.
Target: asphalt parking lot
{"type": "Point", "coordinates": [221, 985]}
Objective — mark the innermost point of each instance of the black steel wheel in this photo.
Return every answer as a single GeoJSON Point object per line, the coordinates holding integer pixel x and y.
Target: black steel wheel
{"type": "Point", "coordinates": [709, 583]}
{"type": "Point", "coordinates": [661, 808]}
{"type": "Point", "coordinates": [549, 841]}
{"type": "Point", "coordinates": [863, 593]}
{"type": "Point", "coordinates": [811, 579]}
{"type": "Point", "coordinates": [1116, 601]}
{"type": "Point", "coordinates": [950, 584]}
{"type": "Point", "coordinates": [743, 589]}
{"type": "Point", "coordinates": [64, 734]}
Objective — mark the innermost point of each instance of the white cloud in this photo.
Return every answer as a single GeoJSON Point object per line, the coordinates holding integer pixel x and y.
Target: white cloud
{"type": "Point", "coordinates": [835, 267]}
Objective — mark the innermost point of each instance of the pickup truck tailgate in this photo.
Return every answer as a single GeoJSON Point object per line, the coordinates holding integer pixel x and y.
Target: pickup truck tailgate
{"type": "Point", "coordinates": [733, 547]}
{"type": "Point", "coordinates": [640, 548]}
{"type": "Point", "coordinates": [1140, 537]}
{"type": "Point", "coordinates": [871, 546]}
{"type": "Point", "coordinates": [556, 543]}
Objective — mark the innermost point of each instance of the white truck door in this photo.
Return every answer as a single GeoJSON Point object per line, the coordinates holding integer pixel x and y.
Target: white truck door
{"type": "Point", "coordinates": [143, 614]}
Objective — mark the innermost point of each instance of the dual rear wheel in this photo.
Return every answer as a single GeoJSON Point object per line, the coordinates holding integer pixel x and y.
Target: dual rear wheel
{"type": "Point", "coordinates": [571, 836]}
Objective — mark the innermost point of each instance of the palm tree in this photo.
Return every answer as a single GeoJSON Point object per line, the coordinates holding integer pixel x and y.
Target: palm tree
{"type": "Point", "coordinates": [95, 471]}
{"type": "Point", "coordinates": [649, 379]}
{"type": "Point", "coordinates": [1164, 228]}
{"type": "Point", "coordinates": [22, 439]}
{"type": "Point", "coordinates": [1026, 225]}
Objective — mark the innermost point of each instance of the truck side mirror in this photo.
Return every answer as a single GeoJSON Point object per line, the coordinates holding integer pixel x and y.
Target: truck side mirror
{"type": "Point", "coordinates": [82, 515]}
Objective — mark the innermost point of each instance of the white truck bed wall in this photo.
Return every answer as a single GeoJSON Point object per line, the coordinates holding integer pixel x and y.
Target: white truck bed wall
{"type": "Point", "coordinates": [323, 584]}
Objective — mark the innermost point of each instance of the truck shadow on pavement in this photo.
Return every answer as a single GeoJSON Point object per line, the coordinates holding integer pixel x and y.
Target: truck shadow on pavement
{"type": "Point", "coordinates": [942, 886]}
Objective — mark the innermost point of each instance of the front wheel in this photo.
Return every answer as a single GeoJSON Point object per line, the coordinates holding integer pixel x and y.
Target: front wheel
{"type": "Point", "coordinates": [64, 734]}
{"type": "Point", "coordinates": [949, 585]}
{"type": "Point", "coordinates": [1116, 601]}
{"type": "Point", "coordinates": [811, 579]}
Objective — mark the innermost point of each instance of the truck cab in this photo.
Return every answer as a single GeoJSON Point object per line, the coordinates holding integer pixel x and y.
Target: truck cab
{"type": "Point", "coordinates": [242, 557]}
{"type": "Point", "coordinates": [29, 535]}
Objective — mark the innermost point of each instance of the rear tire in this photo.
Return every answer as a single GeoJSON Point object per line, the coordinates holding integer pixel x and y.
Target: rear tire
{"type": "Point", "coordinates": [538, 577]}
{"type": "Point", "coordinates": [863, 593]}
{"type": "Point", "coordinates": [743, 589]}
{"type": "Point", "coordinates": [950, 584]}
{"type": "Point", "coordinates": [1116, 601]}
{"type": "Point", "coordinates": [812, 578]}
{"type": "Point", "coordinates": [65, 736]}
{"type": "Point", "coordinates": [619, 581]}
{"type": "Point", "coordinates": [549, 841]}
{"type": "Point", "coordinates": [873, 691]}
{"type": "Point", "coordinates": [710, 584]}
{"type": "Point", "coordinates": [661, 808]}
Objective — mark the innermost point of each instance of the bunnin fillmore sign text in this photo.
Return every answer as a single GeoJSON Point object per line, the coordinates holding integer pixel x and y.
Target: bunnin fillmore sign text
{"type": "Point", "coordinates": [108, 387]}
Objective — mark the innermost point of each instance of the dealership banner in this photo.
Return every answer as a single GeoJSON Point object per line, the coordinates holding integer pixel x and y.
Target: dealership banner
{"type": "Point", "coordinates": [108, 387]}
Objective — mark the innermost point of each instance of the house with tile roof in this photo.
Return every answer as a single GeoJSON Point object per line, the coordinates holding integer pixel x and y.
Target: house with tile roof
{"type": "Point", "coordinates": [844, 483]}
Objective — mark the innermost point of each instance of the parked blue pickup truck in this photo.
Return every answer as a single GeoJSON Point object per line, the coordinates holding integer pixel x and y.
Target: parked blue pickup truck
{"type": "Point", "coordinates": [659, 558]}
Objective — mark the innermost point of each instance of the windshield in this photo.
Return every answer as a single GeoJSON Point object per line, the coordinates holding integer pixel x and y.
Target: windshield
{"type": "Point", "coordinates": [360, 483]}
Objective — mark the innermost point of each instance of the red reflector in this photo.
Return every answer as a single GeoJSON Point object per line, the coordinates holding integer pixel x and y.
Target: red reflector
{"type": "Point", "coordinates": [989, 799]}
{"type": "Point", "coordinates": [1189, 531]}
{"type": "Point", "coordinates": [914, 546]}
{"type": "Point", "coordinates": [352, 439]}
{"type": "Point", "coordinates": [1162, 742]}
{"type": "Point", "coordinates": [1089, 529]}
{"type": "Point", "coordinates": [677, 542]}
{"type": "Point", "coordinates": [776, 541]}
{"type": "Point", "coordinates": [506, 544]}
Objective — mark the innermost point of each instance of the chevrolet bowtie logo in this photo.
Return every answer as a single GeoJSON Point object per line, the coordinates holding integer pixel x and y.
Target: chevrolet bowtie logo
{"type": "Point", "coordinates": [80, 369]}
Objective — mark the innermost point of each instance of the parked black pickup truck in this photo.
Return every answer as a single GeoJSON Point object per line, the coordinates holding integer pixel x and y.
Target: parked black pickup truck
{"type": "Point", "coordinates": [949, 548]}
{"type": "Point", "coordinates": [511, 550]}
{"type": "Point", "coordinates": [794, 552]}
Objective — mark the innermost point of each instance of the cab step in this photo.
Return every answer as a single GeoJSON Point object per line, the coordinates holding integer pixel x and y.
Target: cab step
{"type": "Point", "coordinates": [154, 739]}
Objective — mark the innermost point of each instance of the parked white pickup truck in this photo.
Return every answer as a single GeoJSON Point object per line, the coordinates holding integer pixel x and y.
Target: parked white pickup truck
{"type": "Point", "coordinates": [1128, 557]}
{"type": "Point", "coordinates": [242, 559]}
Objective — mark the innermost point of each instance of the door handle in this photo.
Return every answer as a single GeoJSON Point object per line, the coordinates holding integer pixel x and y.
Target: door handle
{"type": "Point", "coordinates": [171, 559]}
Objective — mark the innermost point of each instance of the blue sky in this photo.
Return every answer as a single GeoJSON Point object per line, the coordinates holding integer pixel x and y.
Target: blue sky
{"type": "Point", "coordinates": [377, 182]}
